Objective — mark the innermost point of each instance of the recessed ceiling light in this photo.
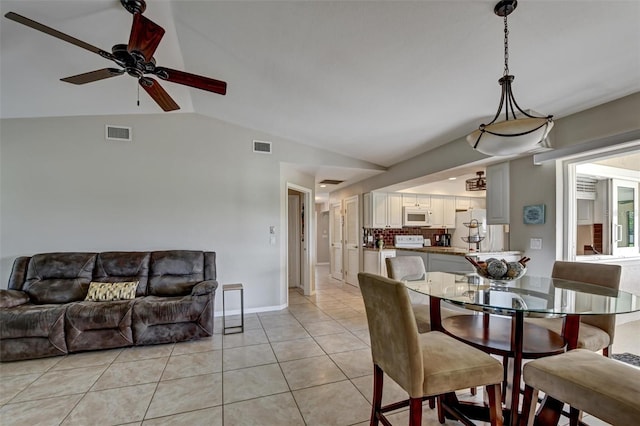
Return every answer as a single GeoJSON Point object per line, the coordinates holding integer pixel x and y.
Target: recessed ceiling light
{"type": "Point", "coordinates": [323, 186]}
{"type": "Point", "coordinates": [452, 178]}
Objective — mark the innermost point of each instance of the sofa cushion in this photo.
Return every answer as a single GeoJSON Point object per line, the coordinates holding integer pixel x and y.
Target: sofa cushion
{"type": "Point", "coordinates": [59, 277]}
{"type": "Point", "coordinates": [32, 331]}
{"type": "Point", "coordinates": [121, 266]}
{"type": "Point", "coordinates": [175, 272]}
{"type": "Point", "coordinates": [172, 319]}
{"type": "Point", "coordinates": [102, 292]}
{"type": "Point", "coordinates": [11, 298]}
{"type": "Point", "coordinates": [90, 325]}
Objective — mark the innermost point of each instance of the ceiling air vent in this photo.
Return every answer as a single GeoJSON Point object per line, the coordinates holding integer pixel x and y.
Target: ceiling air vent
{"type": "Point", "coordinates": [262, 147]}
{"type": "Point", "coordinates": [331, 182]}
{"type": "Point", "coordinates": [118, 133]}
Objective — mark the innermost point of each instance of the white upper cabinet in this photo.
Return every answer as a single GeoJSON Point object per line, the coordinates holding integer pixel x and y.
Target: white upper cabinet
{"type": "Point", "coordinates": [443, 209]}
{"type": "Point", "coordinates": [477, 203]}
{"type": "Point", "coordinates": [449, 212]}
{"type": "Point", "coordinates": [382, 210]}
{"type": "Point", "coordinates": [379, 210]}
{"type": "Point", "coordinates": [416, 200]}
{"type": "Point", "coordinates": [367, 214]}
{"type": "Point", "coordinates": [394, 210]}
{"type": "Point", "coordinates": [463, 203]}
{"type": "Point", "coordinates": [498, 194]}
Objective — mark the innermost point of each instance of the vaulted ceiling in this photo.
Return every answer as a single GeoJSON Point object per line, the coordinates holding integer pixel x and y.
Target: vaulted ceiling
{"type": "Point", "coordinates": [376, 80]}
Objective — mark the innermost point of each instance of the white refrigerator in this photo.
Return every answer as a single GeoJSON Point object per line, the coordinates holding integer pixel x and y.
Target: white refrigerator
{"type": "Point", "coordinates": [494, 238]}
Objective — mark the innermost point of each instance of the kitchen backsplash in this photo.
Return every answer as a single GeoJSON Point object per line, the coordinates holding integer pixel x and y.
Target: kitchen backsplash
{"type": "Point", "coordinates": [388, 234]}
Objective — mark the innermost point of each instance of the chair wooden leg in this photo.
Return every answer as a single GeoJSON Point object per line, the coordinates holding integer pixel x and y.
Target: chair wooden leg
{"type": "Point", "coordinates": [528, 406]}
{"type": "Point", "coordinates": [378, 377]}
{"type": "Point", "coordinates": [607, 351]}
{"type": "Point", "coordinates": [473, 391]}
{"type": "Point", "coordinates": [432, 402]}
{"type": "Point", "coordinates": [550, 411]}
{"type": "Point", "coordinates": [440, 409]}
{"type": "Point", "coordinates": [415, 411]}
{"type": "Point", "coordinates": [495, 404]}
{"type": "Point", "coordinates": [574, 416]}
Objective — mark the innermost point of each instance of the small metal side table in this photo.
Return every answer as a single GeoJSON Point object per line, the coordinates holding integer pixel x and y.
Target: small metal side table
{"type": "Point", "coordinates": [239, 328]}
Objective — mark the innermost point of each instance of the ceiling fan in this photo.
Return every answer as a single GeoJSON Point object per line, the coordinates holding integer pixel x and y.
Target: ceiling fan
{"type": "Point", "coordinates": [135, 58]}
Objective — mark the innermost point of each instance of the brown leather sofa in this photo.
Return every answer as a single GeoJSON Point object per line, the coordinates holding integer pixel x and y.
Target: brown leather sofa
{"type": "Point", "coordinates": [44, 312]}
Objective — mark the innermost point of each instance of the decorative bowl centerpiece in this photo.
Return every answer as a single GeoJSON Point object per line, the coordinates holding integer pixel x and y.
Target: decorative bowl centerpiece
{"type": "Point", "coordinates": [500, 269]}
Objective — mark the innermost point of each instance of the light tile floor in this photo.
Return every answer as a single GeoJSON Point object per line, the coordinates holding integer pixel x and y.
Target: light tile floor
{"type": "Point", "coordinates": [309, 364]}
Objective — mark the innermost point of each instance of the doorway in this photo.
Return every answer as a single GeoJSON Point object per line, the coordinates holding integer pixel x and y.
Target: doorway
{"type": "Point", "coordinates": [299, 239]}
{"type": "Point", "coordinates": [295, 238]}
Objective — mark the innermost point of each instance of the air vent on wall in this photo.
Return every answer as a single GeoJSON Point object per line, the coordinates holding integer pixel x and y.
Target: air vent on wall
{"type": "Point", "coordinates": [262, 147]}
{"type": "Point", "coordinates": [117, 133]}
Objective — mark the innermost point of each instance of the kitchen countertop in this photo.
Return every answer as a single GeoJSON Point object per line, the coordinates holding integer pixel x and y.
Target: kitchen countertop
{"type": "Point", "coordinates": [456, 251]}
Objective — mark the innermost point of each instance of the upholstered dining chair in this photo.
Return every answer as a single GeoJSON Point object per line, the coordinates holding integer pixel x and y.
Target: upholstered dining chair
{"type": "Point", "coordinates": [411, 268]}
{"type": "Point", "coordinates": [596, 331]}
{"type": "Point", "coordinates": [423, 364]}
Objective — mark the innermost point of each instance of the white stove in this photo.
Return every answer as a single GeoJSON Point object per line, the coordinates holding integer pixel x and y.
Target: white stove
{"type": "Point", "coordinates": [408, 241]}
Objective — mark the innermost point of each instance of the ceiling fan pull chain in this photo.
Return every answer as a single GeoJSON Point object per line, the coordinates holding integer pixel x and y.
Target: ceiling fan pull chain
{"type": "Point", "coordinates": [138, 94]}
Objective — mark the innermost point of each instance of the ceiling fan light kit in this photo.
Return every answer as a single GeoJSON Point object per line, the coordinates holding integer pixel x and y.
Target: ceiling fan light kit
{"type": "Point", "coordinates": [513, 135]}
{"type": "Point", "coordinates": [135, 58]}
{"type": "Point", "coordinates": [476, 184]}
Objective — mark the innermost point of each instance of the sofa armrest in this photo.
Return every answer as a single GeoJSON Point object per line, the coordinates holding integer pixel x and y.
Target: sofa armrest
{"type": "Point", "coordinates": [204, 287]}
{"type": "Point", "coordinates": [11, 298]}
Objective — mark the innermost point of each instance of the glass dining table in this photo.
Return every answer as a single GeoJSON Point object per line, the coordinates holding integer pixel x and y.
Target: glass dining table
{"type": "Point", "coordinates": [501, 328]}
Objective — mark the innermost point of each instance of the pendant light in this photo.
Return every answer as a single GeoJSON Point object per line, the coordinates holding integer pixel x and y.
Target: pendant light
{"type": "Point", "coordinates": [476, 184]}
{"type": "Point", "coordinates": [513, 135]}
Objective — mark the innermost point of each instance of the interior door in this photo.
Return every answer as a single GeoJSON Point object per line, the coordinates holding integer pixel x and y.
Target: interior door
{"type": "Point", "coordinates": [335, 236]}
{"type": "Point", "coordinates": [351, 241]}
{"type": "Point", "coordinates": [294, 237]}
{"type": "Point", "coordinates": [624, 215]}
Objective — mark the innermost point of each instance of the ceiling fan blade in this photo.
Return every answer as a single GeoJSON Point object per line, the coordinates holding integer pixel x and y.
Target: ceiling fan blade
{"type": "Point", "coordinates": [158, 94]}
{"type": "Point", "coordinates": [55, 33]}
{"type": "Point", "coordinates": [197, 81]}
{"type": "Point", "coordinates": [145, 36]}
{"type": "Point", "coordinates": [91, 76]}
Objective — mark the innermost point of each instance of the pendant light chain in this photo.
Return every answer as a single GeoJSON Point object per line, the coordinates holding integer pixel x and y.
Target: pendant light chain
{"type": "Point", "coordinates": [506, 46]}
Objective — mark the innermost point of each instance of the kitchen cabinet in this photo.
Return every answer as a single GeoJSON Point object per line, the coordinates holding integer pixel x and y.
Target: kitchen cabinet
{"type": "Point", "coordinates": [394, 210]}
{"type": "Point", "coordinates": [416, 200]}
{"type": "Point", "coordinates": [467, 203]}
{"type": "Point", "coordinates": [367, 215]}
{"type": "Point", "coordinates": [585, 211]}
{"type": "Point", "coordinates": [498, 194]}
{"type": "Point", "coordinates": [448, 263]}
{"type": "Point", "coordinates": [463, 203]}
{"type": "Point", "coordinates": [477, 203]}
{"type": "Point", "coordinates": [374, 261]}
{"type": "Point", "coordinates": [382, 210]}
{"type": "Point", "coordinates": [379, 210]}
{"type": "Point", "coordinates": [443, 208]}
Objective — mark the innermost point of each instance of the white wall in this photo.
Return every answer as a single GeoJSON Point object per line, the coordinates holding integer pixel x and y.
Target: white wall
{"type": "Point", "coordinates": [185, 182]}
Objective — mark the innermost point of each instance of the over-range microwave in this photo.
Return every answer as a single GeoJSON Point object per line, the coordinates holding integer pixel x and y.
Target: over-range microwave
{"type": "Point", "coordinates": [416, 216]}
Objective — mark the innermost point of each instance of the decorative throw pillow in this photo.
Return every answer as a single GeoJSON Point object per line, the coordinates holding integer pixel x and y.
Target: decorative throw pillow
{"type": "Point", "coordinates": [102, 292]}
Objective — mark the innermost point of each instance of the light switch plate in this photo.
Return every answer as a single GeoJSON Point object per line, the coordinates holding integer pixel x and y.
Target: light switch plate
{"type": "Point", "coordinates": [535, 243]}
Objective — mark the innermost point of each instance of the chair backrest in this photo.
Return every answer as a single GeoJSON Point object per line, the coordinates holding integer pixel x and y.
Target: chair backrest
{"type": "Point", "coordinates": [395, 345]}
{"type": "Point", "coordinates": [601, 274]}
{"type": "Point", "coordinates": [405, 268]}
